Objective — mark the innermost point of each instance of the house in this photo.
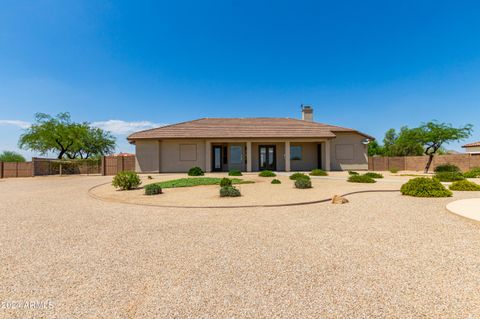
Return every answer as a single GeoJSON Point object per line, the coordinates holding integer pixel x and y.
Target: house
{"type": "Point", "coordinates": [472, 148]}
{"type": "Point", "coordinates": [250, 144]}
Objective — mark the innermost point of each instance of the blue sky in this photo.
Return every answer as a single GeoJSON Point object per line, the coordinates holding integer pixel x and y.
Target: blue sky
{"type": "Point", "coordinates": [125, 65]}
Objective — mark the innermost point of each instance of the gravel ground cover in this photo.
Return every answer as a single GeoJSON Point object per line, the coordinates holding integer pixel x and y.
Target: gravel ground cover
{"type": "Point", "coordinates": [381, 255]}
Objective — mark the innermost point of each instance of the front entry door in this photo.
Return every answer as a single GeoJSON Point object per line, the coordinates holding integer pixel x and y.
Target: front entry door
{"type": "Point", "coordinates": [217, 158]}
{"type": "Point", "coordinates": [267, 157]}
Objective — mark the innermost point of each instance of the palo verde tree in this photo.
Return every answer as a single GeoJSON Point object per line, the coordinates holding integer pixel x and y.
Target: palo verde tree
{"type": "Point", "coordinates": [65, 138]}
{"type": "Point", "coordinates": [433, 135]}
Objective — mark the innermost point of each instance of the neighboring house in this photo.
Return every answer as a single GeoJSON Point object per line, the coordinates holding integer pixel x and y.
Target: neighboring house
{"type": "Point", "coordinates": [250, 144]}
{"type": "Point", "coordinates": [472, 148]}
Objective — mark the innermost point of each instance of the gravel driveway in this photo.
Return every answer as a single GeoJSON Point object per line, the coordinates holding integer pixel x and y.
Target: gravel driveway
{"type": "Point", "coordinates": [381, 255]}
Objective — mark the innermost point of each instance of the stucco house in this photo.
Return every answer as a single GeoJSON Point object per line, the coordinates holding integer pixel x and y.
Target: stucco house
{"type": "Point", "coordinates": [472, 148]}
{"type": "Point", "coordinates": [250, 144]}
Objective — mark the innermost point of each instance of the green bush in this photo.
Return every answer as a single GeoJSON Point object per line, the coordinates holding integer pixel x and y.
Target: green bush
{"type": "Point", "coordinates": [229, 191]}
{"type": "Point", "coordinates": [153, 189]}
{"type": "Point", "coordinates": [373, 175]}
{"type": "Point", "coordinates": [394, 170]}
{"type": "Point", "coordinates": [424, 187]}
{"type": "Point", "coordinates": [9, 156]}
{"type": "Point", "coordinates": [465, 186]}
{"type": "Point", "coordinates": [234, 172]}
{"type": "Point", "coordinates": [195, 171]}
{"type": "Point", "coordinates": [303, 183]}
{"type": "Point", "coordinates": [126, 180]}
{"type": "Point", "coordinates": [473, 173]}
{"type": "Point", "coordinates": [318, 172]}
{"type": "Point", "coordinates": [276, 181]}
{"type": "Point", "coordinates": [352, 173]}
{"type": "Point", "coordinates": [446, 168]}
{"type": "Point", "coordinates": [296, 176]}
{"type": "Point", "coordinates": [267, 174]}
{"type": "Point", "coordinates": [449, 176]}
{"type": "Point", "coordinates": [361, 179]}
{"type": "Point", "coordinates": [225, 182]}
{"type": "Point", "coordinates": [149, 177]}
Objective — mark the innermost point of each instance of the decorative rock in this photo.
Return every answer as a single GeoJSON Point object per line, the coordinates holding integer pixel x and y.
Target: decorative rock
{"type": "Point", "coordinates": [337, 199]}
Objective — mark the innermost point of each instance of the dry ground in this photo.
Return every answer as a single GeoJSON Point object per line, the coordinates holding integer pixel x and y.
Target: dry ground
{"type": "Point", "coordinates": [381, 255]}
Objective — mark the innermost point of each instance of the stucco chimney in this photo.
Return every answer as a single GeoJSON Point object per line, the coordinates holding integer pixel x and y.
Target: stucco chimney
{"type": "Point", "coordinates": [307, 113]}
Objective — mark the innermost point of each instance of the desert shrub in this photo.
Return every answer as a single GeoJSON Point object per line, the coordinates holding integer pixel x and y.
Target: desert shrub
{"type": "Point", "coordinates": [352, 173]}
{"type": "Point", "coordinates": [126, 180]}
{"type": "Point", "coordinates": [447, 168]}
{"type": "Point", "coordinates": [149, 177]}
{"type": "Point", "coordinates": [153, 189]}
{"type": "Point", "coordinates": [195, 171]}
{"type": "Point", "coordinates": [267, 174]}
{"type": "Point", "coordinates": [394, 170]}
{"type": "Point", "coordinates": [449, 176]}
{"type": "Point", "coordinates": [276, 181]}
{"type": "Point", "coordinates": [473, 173]}
{"type": "Point", "coordinates": [465, 186]}
{"type": "Point", "coordinates": [234, 172]}
{"type": "Point", "coordinates": [373, 175]}
{"type": "Point", "coordinates": [296, 176]}
{"type": "Point", "coordinates": [229, 191]}
{"type": "Point", "coordinates": [361, 179]}
{"type": "Point", "coordinates": [303, 183]}
{"type": "Point", "coordinates": [424, 187]}
{"type": "Point", "coordinates": [318, 172]}
{"type": "Point", "coordinates": [225, 182]}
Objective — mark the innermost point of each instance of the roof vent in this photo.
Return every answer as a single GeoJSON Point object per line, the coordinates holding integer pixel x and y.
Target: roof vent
{"type": "Point", "coordinates": [307, 113]}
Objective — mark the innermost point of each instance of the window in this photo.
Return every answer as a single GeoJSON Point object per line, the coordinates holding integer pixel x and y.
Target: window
{"type": "Point", "coordinates": [188, 152]}
{"type": "Point", "coordinates": [295, 153]}
{"type": "Point", "coordinates": [235, 154]}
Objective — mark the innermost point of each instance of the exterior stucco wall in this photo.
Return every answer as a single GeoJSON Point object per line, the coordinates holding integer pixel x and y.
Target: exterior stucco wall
{"type": "Point", "coordinates": [172, 159]}
{"type": "Point", "coordinates": [147, 157]}
{"type": "Point", "coordinates": [309, 157]}
{"type": "Point", "coordinates": [348, 153]}
{"type": "Point", "coordinates": [472, 149]}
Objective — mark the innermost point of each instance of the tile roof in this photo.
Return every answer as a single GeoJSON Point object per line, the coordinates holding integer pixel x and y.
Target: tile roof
{"type": "Point", "coordinates": [475, 144]}
{"type": "Point", "coordinates": [243, 128]}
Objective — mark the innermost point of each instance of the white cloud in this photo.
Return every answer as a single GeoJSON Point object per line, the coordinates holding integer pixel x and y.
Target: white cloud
{"type": "Point", "coordinates": [123, 128]}
{"type": "Point", "coordinates": [21, 124]}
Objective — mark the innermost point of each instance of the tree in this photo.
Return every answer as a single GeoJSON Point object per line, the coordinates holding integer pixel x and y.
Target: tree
{"type": "Point", "coordinates": [375, 149]}
{"type": "Point", "coordinates": [434, 134]}
{"type": "Point", "coordinates": [66, 138]}
{"type": "Point", "coordinates": [8, 156]}
{"type": "Point", "coordinates": [402, 144]}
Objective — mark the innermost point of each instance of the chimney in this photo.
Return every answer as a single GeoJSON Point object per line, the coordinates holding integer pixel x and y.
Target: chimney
{"type": "Point", "coordinates": [307, 113]}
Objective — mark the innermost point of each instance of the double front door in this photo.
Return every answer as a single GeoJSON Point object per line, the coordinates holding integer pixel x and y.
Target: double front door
{"type": "Point", "coordinates": [267, 157]}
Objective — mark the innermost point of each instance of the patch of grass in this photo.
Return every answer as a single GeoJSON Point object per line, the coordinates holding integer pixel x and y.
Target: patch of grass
{"type": "Point", "coordinates": [267, 174]}
{"type": "Point", "coordinates": [198, 181]}
{"type": "Point", "coordinates": [424, 187]}
{"type": "Point", "coordinates": [275, 181]}
{"type": "Point", "coordinates": [234, 172]}
{"type": "Point", "coordinates": [465, 186]}
{"type": "Point", "coordinates": [318, 172]}
{"type": "Point", "coordinates": [296, 176]}
{"type": "Point", "coordinates": [361, 179]}
{"type": "Point", "coordinates": [373, 175]}
{"type": "Point", "coordinates": [449, 176]}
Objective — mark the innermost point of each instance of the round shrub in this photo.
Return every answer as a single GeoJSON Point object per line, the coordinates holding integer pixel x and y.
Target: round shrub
{"type": "Point", "coordinates": [449, 176]}
{"type": "Point", "coordinates": [276, 181]}
{"type": "Point", "coordinates": [473, 173]}
{"type": "Point", "coordinates": [361, 179]}
{"type": "Point", "coordinates": [373, 175]}
{"type": "Point", "coordinates": [225, 182]}
{"type": "Point", "coordinates": [303, 183]}
{"type": "Point", "coordinates": [229, 191]}
{"type": "Point", "coordinates": [394, 170]}
{"type": "Point", "coordinates": [425, 187]}
{"type": "Point", "coordinates": [465, 185]}
{"type": "Point", "coordinates": [318, 172]}
{"type": "Point", "coordinates": [195, 171]}
{"type": "Point", "coordinates": [234, 172]}
{"type": "Point", "coordinates": [267, 174]}
{"type": "Point", "coordinates": [153, 189]}
{"type": "Point", "coordinates": [446, 168]}
{"type": "Point", "coordinates": [296, 176]}
{"type": "Point", "coordinates": [126, 180]}
{"type": "Point", "coordinates": [352, 173]}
